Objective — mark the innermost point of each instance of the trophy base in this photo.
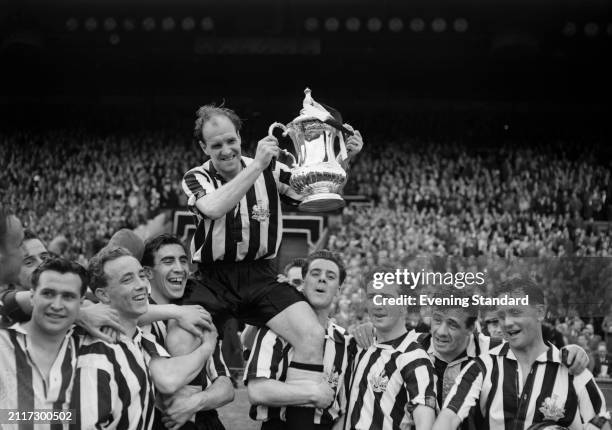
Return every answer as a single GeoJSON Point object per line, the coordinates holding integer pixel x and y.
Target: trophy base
{"type": "Point", "coordinates": [322, 202]}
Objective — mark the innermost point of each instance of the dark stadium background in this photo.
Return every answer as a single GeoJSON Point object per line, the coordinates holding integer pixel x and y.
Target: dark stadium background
{"type": "Point", "coordinates": [484, 73]}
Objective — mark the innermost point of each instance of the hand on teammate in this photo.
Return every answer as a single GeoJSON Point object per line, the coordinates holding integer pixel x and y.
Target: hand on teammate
{"type": "Point", "coordinates": [194, 319]}
{"type": "Point", "coordinates": [100, 321]}
{"type": "Point", "coordinates": [364, 335]}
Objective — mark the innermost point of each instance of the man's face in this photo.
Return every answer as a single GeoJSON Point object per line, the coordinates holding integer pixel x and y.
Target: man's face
{"type": "Point", "coordinates": [56, 301]}
{"type": "Point", "coordinates": [493, 325]}
{"type": "Point", "coordinates": [385, 318]}
{"type": "Point", "coordinates": [322, 283]}
{"type": "Point", "coordinates": [170, 271]}
{"type": "Point", "coordinates": [222, 145]}
{"type": "Point", "coordinates": [294, 277]}
{"type": "Point", "coordinates": [11, 254]}
{"type": "Point", "coordinates": [127, 287]}
{"type": "Point", "coordinates": [582, 341]}
{"type": "Point", "coordinates": [521, 324]}
{"type": "Point", "coordinates": [34, 253]}
{"type": "Point", "coordinates": [602, 351]}
{"type": "Point", "coordinates": [449, 332]}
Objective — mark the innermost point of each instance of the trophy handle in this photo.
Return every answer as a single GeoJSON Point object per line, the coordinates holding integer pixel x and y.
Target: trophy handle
{"type": "Point", "coordinates": [284, 151]}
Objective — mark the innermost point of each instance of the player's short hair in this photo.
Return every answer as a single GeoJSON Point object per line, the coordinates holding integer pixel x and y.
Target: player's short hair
{"type": "Point", "coordinates": [62, 266]}
{"type": "Point", "coordinates": [296, 262]}
{"type": "Point", "coordinates": [154, 244]}
{"type": "Point", "coordinates": [522, 286]}
{"type": "Point", "coordinates": [206, 113]}
{"type": "Point", "coordinates": [98, 278]}
{"type": "Point", "coordinates": [455, 299]}
{"type": "Point", "coordinates": [325, 254]}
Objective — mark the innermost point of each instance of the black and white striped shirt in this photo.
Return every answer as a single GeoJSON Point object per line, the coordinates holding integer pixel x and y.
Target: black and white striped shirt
{"type": "Point", "coordinates": [270, 358]}
{"type": "Point", "coordinates": [446, 372]}
{"type": "Point", "coordinates": [387, 381]}
{"type": "Point", "coordinates": [253, 229]}
{"type": "Point", "coordinates": [494, 383]}
{"type": "Point", "coordinates": [215, 365]}
{"type": "Point", "coordinates": [113, 387]}
{"type": "Point", "coordinates": [22, 386]}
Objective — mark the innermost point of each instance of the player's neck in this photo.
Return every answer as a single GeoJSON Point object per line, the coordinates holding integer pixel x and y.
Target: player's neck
{"type": "Point", "coordinates": [49, 341]}
{"type": "Point", "coordinates": [528, 355]}
{"type": "Point", "coordinates": [159, 298]}
{"type": "Point", "coordinates": [393, 333]}
{"type": "Point", "coordinates": [129, 325]}
{"type": "Point", "coordinates": [323, 316]}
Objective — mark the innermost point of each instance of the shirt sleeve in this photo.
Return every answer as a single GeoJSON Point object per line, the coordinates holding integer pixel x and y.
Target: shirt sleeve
{"type": "Point", "coordinates": [466, 391]}
{"type": "Point", "coordinates": [196, 184]}
{"type": "Point", "coordinates": [418, 375]}
{"type": "Point", "coordinates": [266, 356]}
{"type": "Point", "coordinates": [92, 397]}
{"type": "Point", "coordinates": [591, 402]}
{"type": "Point", "coordinates": [10, 311]}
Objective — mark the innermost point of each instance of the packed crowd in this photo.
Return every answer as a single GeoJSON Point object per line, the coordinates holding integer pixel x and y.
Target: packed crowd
{"type": "Point", "coordinates": [86, 186]}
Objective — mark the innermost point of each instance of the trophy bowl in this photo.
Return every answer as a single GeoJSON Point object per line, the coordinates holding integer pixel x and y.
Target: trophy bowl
{"type": "Point", "coordinates": [317, 173]}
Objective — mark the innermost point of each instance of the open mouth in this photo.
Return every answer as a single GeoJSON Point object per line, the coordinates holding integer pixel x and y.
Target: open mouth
{"type": "Point", "coordinates": [176, 281]}
{"type": "Point", "coordinates": [229, 158]}
{"type": "Point", "coordinates": [140, 298]}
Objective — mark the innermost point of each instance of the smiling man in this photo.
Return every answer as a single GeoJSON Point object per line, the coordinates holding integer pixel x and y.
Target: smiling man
{"type": "Point", "coordinates": [523, 381]}
{"type": "Point", "coordinates": [39, 356]}
{"type": "Point", "coordinates": [115, 383]}
{"type": "Point", "coordinates": [166, 264]}
{"type": "Point", "coordinates": [237, 204]}
{"type": "Point", "coordinates": [394, 375]}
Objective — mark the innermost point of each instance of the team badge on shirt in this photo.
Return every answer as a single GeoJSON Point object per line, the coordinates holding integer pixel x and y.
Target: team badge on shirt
{"type": "Point", "coordinates": [260, 211]}
{"type": "Point", "coordinates": [379, 383]}
{"type": "Point", "coordinates": [332, 379]}
{"type": "Point", "coordinates": [552, 409]}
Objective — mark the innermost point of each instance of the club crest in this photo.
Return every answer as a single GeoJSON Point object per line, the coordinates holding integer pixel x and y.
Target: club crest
{"type": "Point", "coordinates": [379, 383]}
{"type": "Point", "coordinates": [552, 409]}
{"type": "Point", "coordinates": [260, 211]}
{"type": "Point", "coordinates": [332, 379]}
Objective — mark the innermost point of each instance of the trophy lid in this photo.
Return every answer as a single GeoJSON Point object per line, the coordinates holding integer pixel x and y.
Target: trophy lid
{"type": "Point", "coordinates": [313, 110]}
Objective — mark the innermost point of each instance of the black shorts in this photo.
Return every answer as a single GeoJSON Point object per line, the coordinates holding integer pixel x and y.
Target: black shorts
{"type": "Point", "coordinates": [247, 291]}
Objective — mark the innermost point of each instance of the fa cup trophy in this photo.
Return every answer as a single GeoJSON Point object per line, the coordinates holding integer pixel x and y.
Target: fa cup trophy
{"type": "Point", "coordinates": [317, 173]}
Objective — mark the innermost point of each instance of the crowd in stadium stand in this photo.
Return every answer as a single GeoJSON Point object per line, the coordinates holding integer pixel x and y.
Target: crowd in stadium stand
{"type": "Point", "coordinates": [495, 203]}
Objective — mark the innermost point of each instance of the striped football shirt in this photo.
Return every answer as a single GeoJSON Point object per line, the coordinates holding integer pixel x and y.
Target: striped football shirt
{"type": "Point", "coordinates": [215, 365]}
{"type": "Point", "coordinates": [386, 382]}
{"type": "Point", "coordinates": [252, 230]}
{"type": "Point", "coordinates": [494, 383]}
{"type": "Point", "coordinates": [113, 387]}
{"type": "Point", "coordinates": [270, 358]}
{"type": "Point", "coordinates": [22, 386]}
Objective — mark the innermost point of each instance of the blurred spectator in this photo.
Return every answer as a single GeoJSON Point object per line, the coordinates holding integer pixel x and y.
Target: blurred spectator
{"type": "Point", "coordinates": [583, 343]}
{"type": "Point", "coordinates": [34, 253]}
{"type": "Point", "coordinates": [603, 362]}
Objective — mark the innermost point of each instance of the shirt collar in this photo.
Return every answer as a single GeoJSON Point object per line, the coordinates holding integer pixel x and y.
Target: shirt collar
{"type": "Point", "coordinates": [394, 343]}
{"type": "Point", "coordinates": [552, 354]}
{"type": "Point", "coordinates": [468, 352]}
{"type": "Point", "coordinates": [335, 332]}
{"type": "Point", "coordinates": [213, 171]}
